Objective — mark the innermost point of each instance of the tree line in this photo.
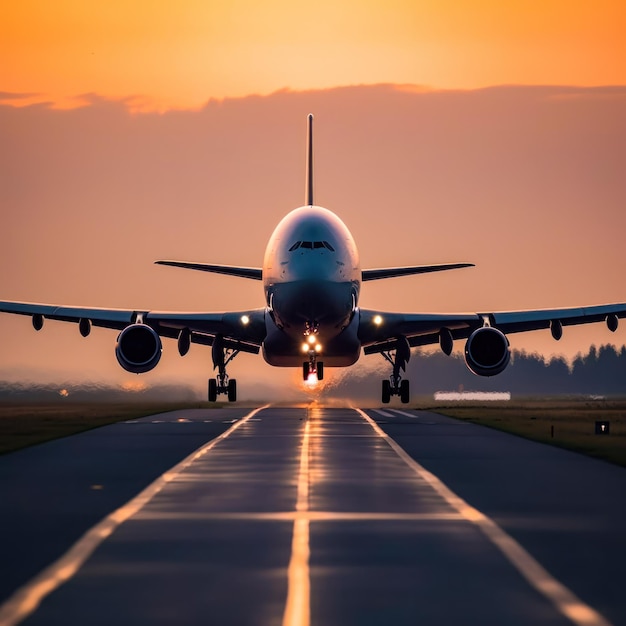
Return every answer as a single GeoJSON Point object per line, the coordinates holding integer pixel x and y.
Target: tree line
{"type": "Point", "coordinates": [602, 371]}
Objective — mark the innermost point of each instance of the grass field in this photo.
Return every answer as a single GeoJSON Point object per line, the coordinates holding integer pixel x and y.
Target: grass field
{"type": "Point", "coordinates": [24, 424]}
{"type": "Point", "coordinates": [567, 423]}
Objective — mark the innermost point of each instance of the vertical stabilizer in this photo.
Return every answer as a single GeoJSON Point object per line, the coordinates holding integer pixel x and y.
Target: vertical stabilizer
{"type": "Point", "coordinates": [308, 195]}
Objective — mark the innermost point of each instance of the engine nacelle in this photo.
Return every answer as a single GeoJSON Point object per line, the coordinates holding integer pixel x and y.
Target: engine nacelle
{"type": "Point", "coordinates": [138, 348]}
{"type": "Point", "coordinates": [487, 351]}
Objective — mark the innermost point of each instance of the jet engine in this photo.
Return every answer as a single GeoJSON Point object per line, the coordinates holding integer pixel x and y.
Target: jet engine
{"type": "Point", "coordinates": [487, 351]}
{"type": "Point", "coordinates": [138, 348]}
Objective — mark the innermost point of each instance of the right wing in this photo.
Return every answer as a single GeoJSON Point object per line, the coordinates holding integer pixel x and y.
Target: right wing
{"type": "Point", "coordinates": [393, 272]}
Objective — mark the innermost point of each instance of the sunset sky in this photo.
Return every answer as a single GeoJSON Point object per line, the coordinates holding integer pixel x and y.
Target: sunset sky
{"type": "Point", "coordinates": [180, 53]}
{"type": "Point", "coordinates": [487, 132]}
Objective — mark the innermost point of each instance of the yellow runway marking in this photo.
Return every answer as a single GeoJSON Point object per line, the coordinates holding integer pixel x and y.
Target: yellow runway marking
{"type": "Point", "coordinates": [298, 606]}
{"type": "Point", "coordinates": [560, 596]}
{"type": "Point", "coordinates": [26, 599]}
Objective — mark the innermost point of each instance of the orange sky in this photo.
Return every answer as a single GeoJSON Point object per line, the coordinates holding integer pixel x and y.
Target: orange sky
{"type": "Point", "coordinates": [183, 52]}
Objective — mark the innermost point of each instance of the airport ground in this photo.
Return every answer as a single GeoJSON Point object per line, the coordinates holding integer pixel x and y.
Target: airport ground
{"type": "Point", "coordinates": [568, 422]}
{"type": "Point", "coordinates": [306, 514]}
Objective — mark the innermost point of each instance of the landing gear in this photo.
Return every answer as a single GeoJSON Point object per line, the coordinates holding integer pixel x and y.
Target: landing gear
{"type": "Point", "coordinates": [313, 348]}
{"type": "Point", "coordinates": [394, 385]}
{"type": "Point", "coordinates": [313, 366]}
{"type": "Point", "coordinates": [221, 384]}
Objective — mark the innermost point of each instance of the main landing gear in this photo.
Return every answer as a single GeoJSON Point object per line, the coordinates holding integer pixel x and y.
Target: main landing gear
{"type": "Point", "coordinates": [221, 384]}
{"type": "Point", "coordinates": [394, 385]}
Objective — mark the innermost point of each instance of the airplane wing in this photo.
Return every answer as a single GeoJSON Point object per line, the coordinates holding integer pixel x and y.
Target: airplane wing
{"type": "Point", "coordinates": [241, 330]}
{"type": "Point", "coordinates": [370, 274]}
{"type": "Point", "coordinates": [393, 272]}
{"type": "Point", "coordinates": [378, 331]}
{"type": "Point", "coordinates": [230, 270]}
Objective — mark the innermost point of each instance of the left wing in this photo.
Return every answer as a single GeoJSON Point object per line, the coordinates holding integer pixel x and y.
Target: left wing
{"type": "Point", "coordinates": [241, 330]}
{"type": "Point", "coordinates": [379, 331]}
{"type": "Point", "coordinates": [230, 270]}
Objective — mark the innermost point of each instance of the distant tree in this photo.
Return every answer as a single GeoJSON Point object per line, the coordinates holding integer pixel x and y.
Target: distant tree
{"type": "Point", "coordinates": [600, 371]}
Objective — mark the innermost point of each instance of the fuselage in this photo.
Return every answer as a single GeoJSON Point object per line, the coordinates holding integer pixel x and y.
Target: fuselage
{"type": "Point", "coordinates": [311, 279]}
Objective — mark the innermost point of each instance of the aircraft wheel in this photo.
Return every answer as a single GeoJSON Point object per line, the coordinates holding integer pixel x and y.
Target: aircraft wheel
{"type": "Point", "coordinates": [320, 370]}
{"type": "Point", "coordinates": [386, 391]}
{"type": "Point", "coordinates": [232, 390]}
{"type": "Point", "coordinates": [212, 390]}
{"type": "Point", "coordinates": [305, 371]}
{"type": "Point", "coordinates": [405, 395]}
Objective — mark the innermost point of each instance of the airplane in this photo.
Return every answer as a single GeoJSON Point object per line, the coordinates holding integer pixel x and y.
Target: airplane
{"type": "Point", "coordinates": [312, 280]}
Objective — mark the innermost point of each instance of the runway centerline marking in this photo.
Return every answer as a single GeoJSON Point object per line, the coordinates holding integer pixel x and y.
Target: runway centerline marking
{"type": "Point", "coordinates": [535, 574]}
{"type": "Point", "coordinates": [298, 605]}
{"type": "Point", "coordinates": [27, 598]}
{"type": "Point", "coordinates": [383, 413]}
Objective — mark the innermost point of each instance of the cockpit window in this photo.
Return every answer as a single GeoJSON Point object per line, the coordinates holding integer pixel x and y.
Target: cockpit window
{"type": "Point", "coordinates": [311, 245]}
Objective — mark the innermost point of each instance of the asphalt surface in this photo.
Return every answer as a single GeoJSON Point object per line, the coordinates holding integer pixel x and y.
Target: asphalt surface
{"type": "Point", "coordinates": [309, 515]}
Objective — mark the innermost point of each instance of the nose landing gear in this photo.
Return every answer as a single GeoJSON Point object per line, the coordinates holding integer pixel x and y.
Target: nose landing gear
{"type": "Point", "coordinates": [221, 384]}
{"type": "Point", "coordinates": [313, 366]}
{"type": "Point", "coordinates": [313, 348]}
{"type": "Point", "coordinates": [394, 385]}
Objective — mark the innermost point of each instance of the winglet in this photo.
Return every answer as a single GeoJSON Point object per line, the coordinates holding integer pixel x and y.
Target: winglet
{"type": "Point", "coordinates": [308, 199]}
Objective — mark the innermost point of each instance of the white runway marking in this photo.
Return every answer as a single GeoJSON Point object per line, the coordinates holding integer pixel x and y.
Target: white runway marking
{"type": "Point", "coordinates": [26, 599]}
{"type": "Point", "coordinates": [560, 596]}
{"type": "Point", "coordinates": [383, 413]}
{"type": "Point", "coordinates": [411, 415]}
{"type": "Point", "coordinates": [298, 606]}
{"type": "Point", "coordinates": [311, 516]}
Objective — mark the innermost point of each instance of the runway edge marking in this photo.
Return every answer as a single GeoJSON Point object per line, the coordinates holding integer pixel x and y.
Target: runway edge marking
{"type": "Point", "coordinates": [564, 600]}
{"type": "Point", "coordinates": [27, 598]}
{"type": "Point", "coordinates": [298, 605]}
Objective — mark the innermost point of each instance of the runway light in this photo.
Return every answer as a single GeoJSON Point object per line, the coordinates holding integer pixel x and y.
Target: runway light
{"type": "Point", "coordinates": [245, 320]}
{"type": "Point", "coordinates": [378, 320]}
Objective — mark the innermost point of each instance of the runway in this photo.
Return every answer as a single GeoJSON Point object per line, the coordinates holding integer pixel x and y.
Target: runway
{"type": "Point", "coordinates": [309, 515]}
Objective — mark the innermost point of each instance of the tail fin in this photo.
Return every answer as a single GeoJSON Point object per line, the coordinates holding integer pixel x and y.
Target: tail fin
{"type": "Point", "coordinates": [308, 194]}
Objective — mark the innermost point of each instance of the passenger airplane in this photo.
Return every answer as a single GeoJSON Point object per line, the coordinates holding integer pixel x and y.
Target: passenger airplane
{"type": "Point", "coordinates": [311, 318]}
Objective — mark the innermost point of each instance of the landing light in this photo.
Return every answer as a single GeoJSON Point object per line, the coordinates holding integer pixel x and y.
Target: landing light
{"type": "Point", "coordinates": [245, 320]}
{"type": "Point", "coordinates": [311, 339]}
{"type": "Point", "coordinates": [378, 320]}
{"type": "Point", "coordinates": [305, 347]}
{"type": "Point", "coordinates": [311, 381]}
{"type": "Point", "coordinates": [318, 348]}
